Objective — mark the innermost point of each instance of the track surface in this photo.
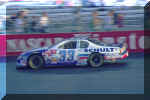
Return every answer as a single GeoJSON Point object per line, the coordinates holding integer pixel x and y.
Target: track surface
{"type": "Point", "coordinates": [124, 77]}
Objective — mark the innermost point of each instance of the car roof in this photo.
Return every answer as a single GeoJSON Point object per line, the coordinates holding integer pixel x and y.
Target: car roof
{"type": "Point", "coordinates": [79, 38]}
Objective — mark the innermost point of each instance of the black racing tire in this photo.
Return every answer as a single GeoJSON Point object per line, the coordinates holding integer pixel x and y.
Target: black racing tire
{"type": "Point", "coordinates": [95, 60]}
{"type": "Point", "coordinates": [36, 61]}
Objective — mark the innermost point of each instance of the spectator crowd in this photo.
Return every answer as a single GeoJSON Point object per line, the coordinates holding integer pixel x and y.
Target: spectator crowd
{"type": "Point", "coordinates": [23, 22]}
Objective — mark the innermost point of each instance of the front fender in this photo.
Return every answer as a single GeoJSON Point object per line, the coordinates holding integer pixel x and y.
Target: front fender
{"type": "Point", "coordinates": [22, 60]}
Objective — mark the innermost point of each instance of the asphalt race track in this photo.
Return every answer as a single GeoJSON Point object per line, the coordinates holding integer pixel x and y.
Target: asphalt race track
{"type": "Point", "coordinates": [123, 77]}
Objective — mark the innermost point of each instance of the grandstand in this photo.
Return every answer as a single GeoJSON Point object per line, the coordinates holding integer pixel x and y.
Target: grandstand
{"type": "Point", "coordinates": [62, 19]}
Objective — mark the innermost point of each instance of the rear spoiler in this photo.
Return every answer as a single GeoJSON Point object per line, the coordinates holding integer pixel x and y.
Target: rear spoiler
{"type": "Point", "coordinates": [123, 45]}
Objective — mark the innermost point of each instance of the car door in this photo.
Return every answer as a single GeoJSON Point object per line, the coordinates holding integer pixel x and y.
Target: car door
{"type": "Point", "coordinates": [82, 55]}
{"type": "Point", "coordinates": [67, 52]}
{"type": "Point", "coordinates": [83, 44]}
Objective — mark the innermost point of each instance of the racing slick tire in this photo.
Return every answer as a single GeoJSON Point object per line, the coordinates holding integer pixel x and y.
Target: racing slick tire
{"type": "Point", "coordinates": [95, 60]}
{"type": "Point", "coordinates": [35, 61]}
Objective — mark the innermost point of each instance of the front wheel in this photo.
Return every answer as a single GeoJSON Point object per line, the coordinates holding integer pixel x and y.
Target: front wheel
{"type": "Point", "coordinates": [95, 60]}
{"type": "Point", "coordinates": [35, 61]}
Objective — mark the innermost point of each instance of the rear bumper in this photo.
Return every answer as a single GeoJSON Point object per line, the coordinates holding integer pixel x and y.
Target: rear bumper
{"type": "Point", "coordinates": [125, 55]}
{"type": "Point", "coordinates": [120, 57]}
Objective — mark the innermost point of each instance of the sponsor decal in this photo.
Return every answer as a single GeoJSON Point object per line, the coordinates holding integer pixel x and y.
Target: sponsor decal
{"type": "Point", "coordinates": [49, 52]}
{"type": "Point", "coordinates": [81, 58]}
{"type": "Point", "coordinates": [83, 55]}
{"type": "Point", "coordinates": [54, 60]}
{"type": "Point", "coordinates": [99, 50]}
{"type": "Point", "coordinates": [82, 61]}
{"type": "Point", "coordinates": [53, 51]}
{"type": "Point", "coordinates": [50, 56]}
{"type": "Point", "coordinates": [111, 54]}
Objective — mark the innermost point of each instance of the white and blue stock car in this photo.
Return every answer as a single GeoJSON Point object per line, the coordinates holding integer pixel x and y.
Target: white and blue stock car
{"type": "Point", "coordinates": [77, 51]}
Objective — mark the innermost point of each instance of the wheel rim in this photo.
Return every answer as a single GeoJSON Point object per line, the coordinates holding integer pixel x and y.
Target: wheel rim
{"type": "Point", "coordinates": [96, 59]}
{"type": "Point", "coordinates": [35, 62]}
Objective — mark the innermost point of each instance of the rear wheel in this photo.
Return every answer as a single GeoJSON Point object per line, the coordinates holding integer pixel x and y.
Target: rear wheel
{"type": "Point", "coordinates": [95, 60]}
{"type": "Point", "coordinates": [35, 61]}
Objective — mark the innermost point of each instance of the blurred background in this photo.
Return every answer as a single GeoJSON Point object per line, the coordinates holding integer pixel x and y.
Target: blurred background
{"type": "Point", "coordinates": [66, 16]}
{"type": "Point", "coordinates": [59, 16]}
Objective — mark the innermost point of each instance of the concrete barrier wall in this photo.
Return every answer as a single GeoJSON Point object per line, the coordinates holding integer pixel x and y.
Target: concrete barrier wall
{"type": "Point", "coordinates": [21, 43]}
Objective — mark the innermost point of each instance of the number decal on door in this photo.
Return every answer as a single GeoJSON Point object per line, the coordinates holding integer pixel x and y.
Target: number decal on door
{"type": "Point", "coordinates": [66, 55]}
{"type": "Point", "coordinates": [63, 55]}
{"type": "Point", "coordinates": [70, 55]}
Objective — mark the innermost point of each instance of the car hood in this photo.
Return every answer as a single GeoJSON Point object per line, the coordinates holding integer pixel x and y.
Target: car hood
{"type": "Point", "coordinates": [39, 50]}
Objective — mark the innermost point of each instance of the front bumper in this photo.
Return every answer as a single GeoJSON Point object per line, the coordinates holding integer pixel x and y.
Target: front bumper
{"type": "Point", "coordinates": [21, 62]}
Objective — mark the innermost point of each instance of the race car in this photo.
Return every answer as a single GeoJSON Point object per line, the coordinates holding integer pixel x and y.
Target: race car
{"type": "Point", "coordinates": [73, 51]}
